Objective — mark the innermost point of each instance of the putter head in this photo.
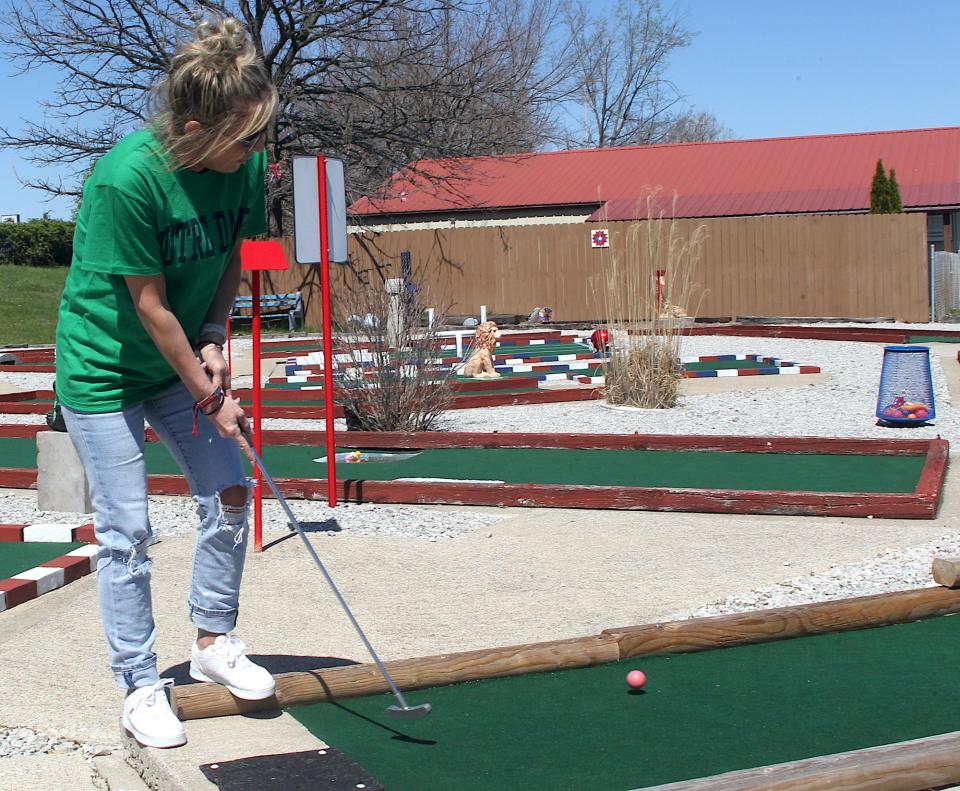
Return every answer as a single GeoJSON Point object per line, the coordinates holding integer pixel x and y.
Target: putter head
{"type": "Point", "coordinates": [409, 712]}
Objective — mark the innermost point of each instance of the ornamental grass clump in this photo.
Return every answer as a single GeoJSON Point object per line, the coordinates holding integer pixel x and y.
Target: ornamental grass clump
{"type": "Point", "coordinates": [650, 300]}
{"type": "Point", "coordinates": [645, 374]}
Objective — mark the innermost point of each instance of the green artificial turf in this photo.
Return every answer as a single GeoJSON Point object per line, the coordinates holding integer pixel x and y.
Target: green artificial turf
{"type": "Point", "coordinates": [674, 469]}
{"type": "Point", "coordinates": [18, 452]}
{"type": "Point", "coordinates": [700, 714]}
{"type": "Point", "coordinates": [16, 557]}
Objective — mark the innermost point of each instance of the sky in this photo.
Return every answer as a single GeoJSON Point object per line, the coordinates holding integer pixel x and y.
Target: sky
{"type": "Point", "coordinates": [764, 68]}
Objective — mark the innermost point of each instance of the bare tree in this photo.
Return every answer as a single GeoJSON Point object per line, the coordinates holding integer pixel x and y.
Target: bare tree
{"type": "Point", "coordinates": [381, 83]}
{"type": "Point", "coordinates": [483, 82]}
{"type": "Point", "coordinates": [695, 127]}
{"type": "Point", "coordinates": [620, 70]}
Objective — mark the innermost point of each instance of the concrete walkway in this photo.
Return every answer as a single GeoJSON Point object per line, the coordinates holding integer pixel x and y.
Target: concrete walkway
{"type": "Point", "coordinates": [543, 574]}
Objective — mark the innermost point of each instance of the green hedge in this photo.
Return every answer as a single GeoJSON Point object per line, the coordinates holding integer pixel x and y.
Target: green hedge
{"type": "Point", "coordinates": [36, 243]}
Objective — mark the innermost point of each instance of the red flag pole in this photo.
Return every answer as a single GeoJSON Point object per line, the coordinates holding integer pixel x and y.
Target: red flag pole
{"type": "Point", "coordinates": [257, 441]}
{"type": "Point", "coordinates": [327, 334]}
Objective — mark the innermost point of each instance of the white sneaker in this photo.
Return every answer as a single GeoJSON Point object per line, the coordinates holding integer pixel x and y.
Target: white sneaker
{"type": "Point", "coordinates": [225, 663]}
{"type": "Point", "coordinates": [147, 717]}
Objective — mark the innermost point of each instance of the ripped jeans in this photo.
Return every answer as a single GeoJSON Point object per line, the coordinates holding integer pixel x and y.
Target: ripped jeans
{"type": "Point", "coordinates": [111, 448]}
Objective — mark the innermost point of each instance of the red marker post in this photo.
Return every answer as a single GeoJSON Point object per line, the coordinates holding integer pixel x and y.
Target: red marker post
{"type": "Point", "coordinates": [327, 331]}
{"type": "Point", "coordinates": [256, 257]}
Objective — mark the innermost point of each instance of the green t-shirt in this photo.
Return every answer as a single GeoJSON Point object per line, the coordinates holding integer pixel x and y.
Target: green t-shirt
{"type": "Point", "coordinates": [139, 217]}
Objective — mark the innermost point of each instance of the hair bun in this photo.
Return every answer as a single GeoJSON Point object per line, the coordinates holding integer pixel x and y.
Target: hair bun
{"type": "Point", "coordinates": [220, 37]}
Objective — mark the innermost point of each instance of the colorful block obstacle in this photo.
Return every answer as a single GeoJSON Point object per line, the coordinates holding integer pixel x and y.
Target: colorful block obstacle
{"type": "Point", "coordinates": [36, 559]}
{"type": "Point", "coordinates": [741, 365]}
{"type": "Point", "coordinates": [724, 365]}
{"type": "Point", "coordinates": [505, 356]}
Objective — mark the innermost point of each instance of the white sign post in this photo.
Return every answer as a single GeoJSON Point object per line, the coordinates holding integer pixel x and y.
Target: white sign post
{"type": "Point", "coordinates": [308, 173]}
{"type": "Point", "coordinates": [320, 236]}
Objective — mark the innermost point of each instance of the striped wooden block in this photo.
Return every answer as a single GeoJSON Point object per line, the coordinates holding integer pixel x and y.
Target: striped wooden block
{"type": "Point", "coordinates": [766, 371]}
{"type": "Point", "coordinates": [60, 533]}
{"type": "Point", "coordinates": [47, 576]}
{"type": "Point", "coordinates": [773, 366]}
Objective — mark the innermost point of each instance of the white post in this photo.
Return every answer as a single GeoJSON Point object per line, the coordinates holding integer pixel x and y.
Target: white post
{"type": "Point", "coordinates": [933, 284]}
{"type": "Point", "coordinates": [395, 317]}
{"type": "Point", "coordinates": [483, 313]}
{"type": "Point", "coordinates": [459, 344]}
{"type": "Point", "coordinates": [430, 317]}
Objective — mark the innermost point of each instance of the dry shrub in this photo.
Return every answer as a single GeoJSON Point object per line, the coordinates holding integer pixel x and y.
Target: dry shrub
{"type": "Point", "coordinates": [646, 337]}
{"type": "Point", "coordinates": [387, 372]}
{"type": "Point", "coordinates": [645, 375]}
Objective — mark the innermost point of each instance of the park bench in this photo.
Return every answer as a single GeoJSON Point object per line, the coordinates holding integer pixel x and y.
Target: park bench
{"type": "Point", "coordinates": [271, 306]}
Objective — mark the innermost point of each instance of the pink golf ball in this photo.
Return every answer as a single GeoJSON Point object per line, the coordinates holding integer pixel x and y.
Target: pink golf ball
{"type": "Point", "coordinates": [636, 679]}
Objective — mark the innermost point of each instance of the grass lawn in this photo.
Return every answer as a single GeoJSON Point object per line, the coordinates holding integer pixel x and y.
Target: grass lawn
{"type": "Point", "coordinates": [29, 297]}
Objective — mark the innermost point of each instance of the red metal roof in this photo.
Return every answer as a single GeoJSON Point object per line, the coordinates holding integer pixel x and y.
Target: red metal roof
{"type": "Point", "coordinates": [825, 173]}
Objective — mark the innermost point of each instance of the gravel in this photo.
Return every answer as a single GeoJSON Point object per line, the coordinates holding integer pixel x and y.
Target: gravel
{"type": "Point", "coordinates": [887, 572]}
{"type": "Point", "coordinates": [26, 741]}
{"type": "Point", "coordinates": [172, 516]}
{"type": "Point", "coordinates": [843, 406]}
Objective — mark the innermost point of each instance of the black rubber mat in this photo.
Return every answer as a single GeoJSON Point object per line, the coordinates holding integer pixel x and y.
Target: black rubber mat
{"type": "Point", "coordinates": [314, 770]}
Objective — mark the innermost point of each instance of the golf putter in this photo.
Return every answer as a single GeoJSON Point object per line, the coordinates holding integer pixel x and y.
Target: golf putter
{"type": "Point", "coordinates": [402, 711]}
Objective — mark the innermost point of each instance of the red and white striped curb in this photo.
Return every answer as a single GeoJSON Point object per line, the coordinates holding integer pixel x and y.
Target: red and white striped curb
{"type": "Point", "coordinates": [51, 574]}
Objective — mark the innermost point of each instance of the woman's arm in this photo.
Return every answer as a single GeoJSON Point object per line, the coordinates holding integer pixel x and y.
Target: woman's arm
{"type": "Point", "coordinates": [226, 292]}
{"type": "Point", "coordinates": [149, 295]}
{"type": "Point", "coordinates": [214, 330]}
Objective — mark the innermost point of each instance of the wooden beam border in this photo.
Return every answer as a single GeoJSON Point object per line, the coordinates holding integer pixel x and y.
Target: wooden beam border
{"type": "Point", "coordinates": [914, 765]}
{"type": "Point", "coordinates": [861, 334]}
{"type": "Point", "coordinates": [22, 403]}
{"type": "Point", "coordinates": [922, 503]}
{"type": "Point", "coordinates": [25, 395]}
{"type": "Point", "coordinates": [760, 626]}
{"type": "Point", "coordinates": [491, 399]}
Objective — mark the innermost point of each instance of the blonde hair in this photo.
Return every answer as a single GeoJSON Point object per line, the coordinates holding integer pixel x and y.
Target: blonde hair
{"type": "Point", "coordinates": [218, 79]}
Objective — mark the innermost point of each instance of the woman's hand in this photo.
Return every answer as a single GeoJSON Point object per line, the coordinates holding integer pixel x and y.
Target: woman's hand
{"type": "Point", "coordinates": [216, 366]}
{"type": "Point", "coordinates": [231, 423]}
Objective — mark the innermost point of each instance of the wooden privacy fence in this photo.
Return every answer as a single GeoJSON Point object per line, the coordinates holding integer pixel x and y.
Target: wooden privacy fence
{"type": "Point", "coordinates": [855, 266]}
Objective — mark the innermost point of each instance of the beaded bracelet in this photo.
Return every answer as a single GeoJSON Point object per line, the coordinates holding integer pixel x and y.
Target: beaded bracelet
{"type": "Point", "coordinates": [215, 399]}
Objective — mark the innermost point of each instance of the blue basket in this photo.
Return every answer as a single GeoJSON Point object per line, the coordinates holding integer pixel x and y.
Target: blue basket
{"type": "Point", "coordinates": [906, 386]}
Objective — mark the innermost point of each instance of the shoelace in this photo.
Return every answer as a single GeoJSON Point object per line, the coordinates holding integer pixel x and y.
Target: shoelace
{"type": "Point", "coordinates": [156, 689]}
{"type": "Point", "coordinates": [231, 649]}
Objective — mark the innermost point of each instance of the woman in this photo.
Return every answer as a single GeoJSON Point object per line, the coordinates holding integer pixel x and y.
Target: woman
{"type": "Point", "coordinates": [155, 271]}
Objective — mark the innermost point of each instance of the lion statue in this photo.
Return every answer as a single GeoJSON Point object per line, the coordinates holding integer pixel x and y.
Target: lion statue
{"type": "Point", "coordinates": [480, 363]}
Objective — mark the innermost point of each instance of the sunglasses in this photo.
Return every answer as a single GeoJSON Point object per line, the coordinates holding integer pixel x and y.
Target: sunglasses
{"type": "Point", "coordinates": [250, 142]}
